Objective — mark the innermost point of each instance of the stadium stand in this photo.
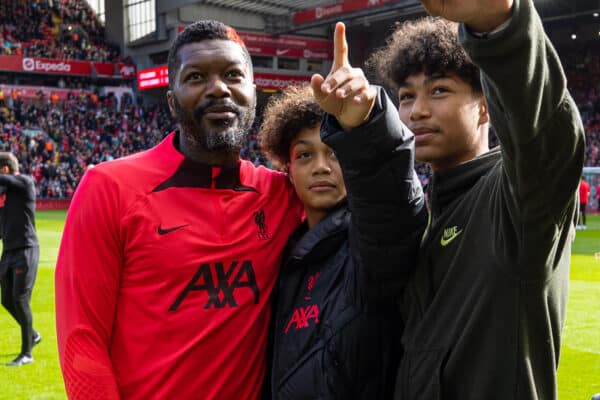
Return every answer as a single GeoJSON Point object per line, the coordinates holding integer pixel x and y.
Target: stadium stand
{"type": "Point", "coordinates": [59, 29]}
{"type": "Point", "coordinates": [60, 131]}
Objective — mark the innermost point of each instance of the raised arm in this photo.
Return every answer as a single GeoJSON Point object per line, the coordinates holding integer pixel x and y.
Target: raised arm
{"type": "Point", "coordinates": [87, 281]}
{"type": "Point", "coordinates": [537, 123]}
{"type": "Point", "coordinates": [376, 152]}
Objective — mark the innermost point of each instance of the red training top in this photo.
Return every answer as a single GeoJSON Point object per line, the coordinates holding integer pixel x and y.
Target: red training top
{"type": "Point", "coordinates": [584, 192]}
{"type": "Point", "coordinates": [164, 276]}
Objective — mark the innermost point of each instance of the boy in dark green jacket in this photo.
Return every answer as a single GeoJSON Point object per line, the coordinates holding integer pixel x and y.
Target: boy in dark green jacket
{"type": "Point", "coordinates": [485, 309]}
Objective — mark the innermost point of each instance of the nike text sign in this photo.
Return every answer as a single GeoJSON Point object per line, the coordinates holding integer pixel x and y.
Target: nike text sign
{"type": "Point", "coordinates": [256, 39]}
{"type": "Point", "coordinates": [336, 9]}
{"type": "Point", "coordinates": [290, 53]}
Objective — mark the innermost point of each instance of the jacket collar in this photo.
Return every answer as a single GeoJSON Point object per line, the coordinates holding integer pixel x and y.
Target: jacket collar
{"type": "Point", "coordinates": [323, 238]}
{"type": "Point", "coordinates": [448, 185]}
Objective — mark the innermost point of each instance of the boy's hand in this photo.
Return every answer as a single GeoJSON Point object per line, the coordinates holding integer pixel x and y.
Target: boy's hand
{"type": "Point", "coordinates": [345, 93]}
{"type": "Point", "coordinates": [478, 15]}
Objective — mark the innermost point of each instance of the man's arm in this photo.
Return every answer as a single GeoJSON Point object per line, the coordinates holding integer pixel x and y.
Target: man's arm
{"type": "Point", "coordinates": [87, 281]}
{"type": "Point", "coordinates": [541, 134]}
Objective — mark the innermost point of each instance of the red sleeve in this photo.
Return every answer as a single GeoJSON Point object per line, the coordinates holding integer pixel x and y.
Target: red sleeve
{"type": "Point", "coordinates": [87, 281]}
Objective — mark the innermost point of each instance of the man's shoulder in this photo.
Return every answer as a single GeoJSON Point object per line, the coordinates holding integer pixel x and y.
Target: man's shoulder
{"type": "Point", "coordinates": [262, 176]}
{"type": "Point", "coordinates": [146, 168]}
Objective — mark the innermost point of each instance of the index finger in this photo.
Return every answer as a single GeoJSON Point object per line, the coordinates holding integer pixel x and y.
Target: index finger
{"type": "Point", "coordinates": [340, 47]}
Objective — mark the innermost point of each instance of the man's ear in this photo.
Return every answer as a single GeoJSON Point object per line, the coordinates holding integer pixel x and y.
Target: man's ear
{"type": "Point", "coordinates": [484, 117]}
{"type": "Point", "coordinates": [171, 102]}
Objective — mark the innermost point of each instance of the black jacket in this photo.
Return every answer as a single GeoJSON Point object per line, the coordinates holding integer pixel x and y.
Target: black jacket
{"type": "Point", "coordinates": [329, 343]}
{"type": "Point", "coordinates": [17, 220]}
{"type": "Point", "coordinates": [336, 328]}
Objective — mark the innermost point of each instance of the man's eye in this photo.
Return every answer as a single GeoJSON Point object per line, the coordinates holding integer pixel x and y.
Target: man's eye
{"type": "Point", "coordinates": [235, 74]}
{"type": "Point", "coordinates": [193, 76]}
{"type": "Point", "coordinates": [303, 154]}
{"type": "Point", "coordinates": [405, 96]}
{"type": "Point", "coordinates": [439, 90]}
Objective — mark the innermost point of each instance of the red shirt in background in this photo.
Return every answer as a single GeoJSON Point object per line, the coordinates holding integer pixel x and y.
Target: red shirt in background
{"type": "Point", "coordinates": [584, 192]}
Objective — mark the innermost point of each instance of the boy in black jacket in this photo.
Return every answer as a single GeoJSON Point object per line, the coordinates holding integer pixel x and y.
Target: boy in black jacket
{"type": "Point", "coordinates": [485, 308]}
{"type": "Point", "coordinates": [332, 337]}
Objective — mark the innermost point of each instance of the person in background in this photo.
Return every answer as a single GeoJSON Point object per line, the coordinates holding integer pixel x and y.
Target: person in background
{"type": "Point", "coordinates": [584, 197]}
{"type": "Point", "coordinates": [20, 252]}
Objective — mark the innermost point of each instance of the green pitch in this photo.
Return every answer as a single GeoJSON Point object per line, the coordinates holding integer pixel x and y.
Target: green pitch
{"type": "Point", "coordinates": [578, 375]}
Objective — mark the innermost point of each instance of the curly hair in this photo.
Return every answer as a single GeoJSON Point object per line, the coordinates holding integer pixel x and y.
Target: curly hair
{"type": "Point", "coordinates": [428, 45]}
{"type": "Point", "coordinates": [285, 116]}
{"type": "Point", "coordinates": [198, 32]}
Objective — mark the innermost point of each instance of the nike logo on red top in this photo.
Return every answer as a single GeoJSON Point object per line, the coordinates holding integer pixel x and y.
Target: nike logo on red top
{"type": "Point", "coordinates": [162, 231]}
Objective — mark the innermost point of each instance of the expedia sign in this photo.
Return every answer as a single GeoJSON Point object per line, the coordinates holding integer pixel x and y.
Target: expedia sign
{"type": "Point", "coordinates": [48, 66]}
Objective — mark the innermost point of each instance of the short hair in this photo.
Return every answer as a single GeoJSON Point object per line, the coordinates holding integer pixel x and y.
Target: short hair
{"type": "Point", "coordinates": [9, 160]}
{"type": "Point", "coordinates": [429, 45]}
{"type": "Point", "coordinates": [284, 117]}
{"type": "Point", "coordinates": [197, 32]}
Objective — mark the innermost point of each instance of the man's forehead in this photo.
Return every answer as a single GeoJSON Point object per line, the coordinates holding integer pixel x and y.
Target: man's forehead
{"type": "Point", "coordinates": [207, 50]}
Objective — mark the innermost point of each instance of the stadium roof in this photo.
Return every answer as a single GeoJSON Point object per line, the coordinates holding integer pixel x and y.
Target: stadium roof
{"type": "Point", "coordinates": [279, 13]}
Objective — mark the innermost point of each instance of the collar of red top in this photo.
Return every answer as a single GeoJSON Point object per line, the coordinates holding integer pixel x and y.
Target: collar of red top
{"type": "Point", "coordinates": [194, 174]}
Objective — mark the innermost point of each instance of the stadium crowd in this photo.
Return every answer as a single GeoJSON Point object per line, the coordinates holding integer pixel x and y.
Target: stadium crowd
{"type": "Point", "coordinates": [57, 140]}
{"type": "Point", "coordinates": [57, 29]}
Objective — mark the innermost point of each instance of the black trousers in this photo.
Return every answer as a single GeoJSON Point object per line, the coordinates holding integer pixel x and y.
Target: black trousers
{"type": "Point", "coordinates": [18, 270]}
{"type": "Point", "coordinates": [582, 214]}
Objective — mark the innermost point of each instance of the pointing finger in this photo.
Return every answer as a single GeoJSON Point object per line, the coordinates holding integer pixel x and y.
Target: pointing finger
{"type": "Point", "coordinates": [340, 47]}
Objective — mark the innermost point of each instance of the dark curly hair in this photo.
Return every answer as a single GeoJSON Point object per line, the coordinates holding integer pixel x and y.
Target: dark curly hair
{"type": "Point", "coordinates": [284, 117]}
{"type": "Point", "coordinates": [428, 45]}
{"type": "Point", "coordinates": [197, 32]}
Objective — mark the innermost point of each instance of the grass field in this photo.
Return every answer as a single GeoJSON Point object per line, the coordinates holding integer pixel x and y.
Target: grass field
{"type": "Point", "coordinates": [578, 375]}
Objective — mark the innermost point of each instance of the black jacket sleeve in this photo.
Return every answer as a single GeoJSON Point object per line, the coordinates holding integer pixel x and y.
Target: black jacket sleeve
{"type": "Point", "coordinates": [384, 196]}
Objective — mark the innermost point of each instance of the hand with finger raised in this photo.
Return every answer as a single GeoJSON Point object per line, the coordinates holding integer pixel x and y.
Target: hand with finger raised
{"type": "Point", "coordinates": [345, 93]}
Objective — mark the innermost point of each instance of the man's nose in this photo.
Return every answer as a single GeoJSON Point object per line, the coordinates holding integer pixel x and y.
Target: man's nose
{"type": "Point", "coordinates": [217, 87]}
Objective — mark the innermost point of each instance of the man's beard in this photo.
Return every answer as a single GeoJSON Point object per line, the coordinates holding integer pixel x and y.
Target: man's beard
{"type": "Point", "coordinates": [227, 135]}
